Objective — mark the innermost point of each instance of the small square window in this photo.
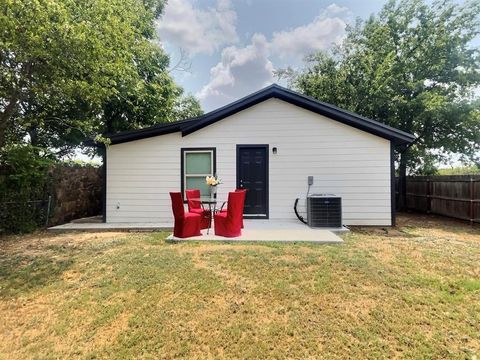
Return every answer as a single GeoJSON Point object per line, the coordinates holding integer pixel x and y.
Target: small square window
{"type": "Point", "coordinates": [197, 164]}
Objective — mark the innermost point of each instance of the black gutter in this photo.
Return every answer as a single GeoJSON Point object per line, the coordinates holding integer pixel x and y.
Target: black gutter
{"type": "Point", "coordinates": [131, 135]}
{"type": "Point", "coordinates": [104, 186]}
{"type": "Point", "coordinates": [159, 129]}
{"type": "Point", "coordinates": [392, 186]}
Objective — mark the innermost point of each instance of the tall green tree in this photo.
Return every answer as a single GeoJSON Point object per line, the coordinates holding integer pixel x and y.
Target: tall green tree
{"type": "Point", "coordinates": [413, 67]}
{"type": "Point", "coordinates": [70, 69]}
{"type": "Point", "coordinates": [55, 54]}
{"type": "Point", "coordinates": [187, 107]}
{"type": "Point", "coordinates": [152, 96]}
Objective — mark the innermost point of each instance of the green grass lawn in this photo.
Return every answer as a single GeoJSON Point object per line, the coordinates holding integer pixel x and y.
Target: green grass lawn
{"type": "Point", "coordinates": [410, 293]}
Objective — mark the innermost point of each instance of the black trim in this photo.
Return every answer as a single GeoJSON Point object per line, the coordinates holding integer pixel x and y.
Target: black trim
{"type": "Point", "coordinates": [182, 165]}
{"type": "Point", "coordinates": [189, 126]}
{"type": "Point", "coordinates": [155, 130]}
{"type": "Point", "coordinates": [392, 185]}
{"type": "Point", "coordinates": [104, 186]}
{"type": "Point", "coordinates": [267, 176]}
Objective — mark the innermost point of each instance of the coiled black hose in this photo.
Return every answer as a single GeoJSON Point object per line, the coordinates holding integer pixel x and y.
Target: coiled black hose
{"type": "Point", "coordinates": [296, 212]}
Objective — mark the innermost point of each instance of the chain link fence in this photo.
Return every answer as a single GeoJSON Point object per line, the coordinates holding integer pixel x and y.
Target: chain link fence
{"type": "Point", "coordinates": [24, 215]}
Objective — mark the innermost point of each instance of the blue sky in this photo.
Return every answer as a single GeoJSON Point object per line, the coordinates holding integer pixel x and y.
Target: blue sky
{"type": "Point", "coordinates": [232, 46]}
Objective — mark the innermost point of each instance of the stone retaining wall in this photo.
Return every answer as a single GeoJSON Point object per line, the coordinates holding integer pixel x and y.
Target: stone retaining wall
{"type": "Point", "coordinates": [76, 193]}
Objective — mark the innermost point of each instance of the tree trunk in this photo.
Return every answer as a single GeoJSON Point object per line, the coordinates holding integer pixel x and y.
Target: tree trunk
{"type": "Point", "coordinates": [15, 97]}
{"type": "Point", "coordinates": [402, 181]}
{"type": "Point", "coordinates": [3, 128]}
{"type": "Point", "coordinates": [108, 125]}
{"type": "Point", "coordinates": [5, 118]}
{"type": "Point", "coordinates": [33, 136]}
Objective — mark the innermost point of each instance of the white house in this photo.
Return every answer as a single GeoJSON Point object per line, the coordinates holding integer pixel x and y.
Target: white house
{"type": "Point", "coordinates": [269, 142]}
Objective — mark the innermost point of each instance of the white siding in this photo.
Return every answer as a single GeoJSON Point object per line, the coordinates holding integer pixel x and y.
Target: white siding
{"type": "Point", "coordinates": [344, 161]}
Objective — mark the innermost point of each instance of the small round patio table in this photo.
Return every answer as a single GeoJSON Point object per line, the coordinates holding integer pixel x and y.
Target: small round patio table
{"type": "Point", "coordinates": [212, 206]}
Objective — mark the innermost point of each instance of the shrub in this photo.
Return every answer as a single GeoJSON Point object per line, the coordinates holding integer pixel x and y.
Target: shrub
{"type": "Point", "coordinates": [462, 170]}
{"type": "Point", "coordinates": [77, 163]}
{"type": "Point", "coordinates": [24, 188]}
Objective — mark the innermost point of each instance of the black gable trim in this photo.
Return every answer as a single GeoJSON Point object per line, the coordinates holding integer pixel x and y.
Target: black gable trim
{"type": "Point", "coordinates": [308, 103]}
{"type": "Point", "coordinates": [230, 109]}
{"type": "Point", "coordinates": [189, 126]}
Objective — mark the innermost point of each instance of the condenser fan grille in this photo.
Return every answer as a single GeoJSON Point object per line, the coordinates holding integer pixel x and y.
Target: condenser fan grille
{"type": "Point", "coordinates": [324, 210]}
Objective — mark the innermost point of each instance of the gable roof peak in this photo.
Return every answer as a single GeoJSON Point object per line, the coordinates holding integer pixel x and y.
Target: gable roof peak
{"type": "Point", "coordinates": [188, 126]}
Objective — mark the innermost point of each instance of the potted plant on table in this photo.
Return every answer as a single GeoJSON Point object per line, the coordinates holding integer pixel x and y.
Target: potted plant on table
{"type": "Point", "coordinates": [213, 182]}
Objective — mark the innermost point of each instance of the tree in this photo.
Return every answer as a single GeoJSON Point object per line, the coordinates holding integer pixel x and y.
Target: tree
{"type": "Point", "coordinates": [152, 96]}
{"type": "Point", "coordinates": [411, 67]}
{"type": "Point", "coordinates": [70, 69]}
{"type": "Point", "coordinates": [57, 53]}
{"type": "Point", "coordinates": [187, 107]}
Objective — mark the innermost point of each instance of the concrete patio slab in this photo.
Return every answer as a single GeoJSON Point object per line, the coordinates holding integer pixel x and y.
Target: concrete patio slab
{"type": "Point", "coordinates": [288, 224]}
{"type": "Point", "coordinates": [94, 227]}
{"type": "Point", "coordinates": [271, 235]}
{"type": "Point", "coordinates": [255, 230]}
{"type": "Point", "coordinates": [273, 230]}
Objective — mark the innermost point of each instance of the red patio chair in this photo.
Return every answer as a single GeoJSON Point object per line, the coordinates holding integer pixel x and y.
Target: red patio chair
{"type": "Point", "coordinates": [197, 207]}
{"type": "Point", "coordinates": [225, 210]}
{"type": "Point", "coordinates": [229, 223]}
{"type": "Point", "coordinates": [186, 223]}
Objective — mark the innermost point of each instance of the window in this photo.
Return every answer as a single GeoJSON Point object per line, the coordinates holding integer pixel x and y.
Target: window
{"type": "Point", "coordinates": [197, 164]}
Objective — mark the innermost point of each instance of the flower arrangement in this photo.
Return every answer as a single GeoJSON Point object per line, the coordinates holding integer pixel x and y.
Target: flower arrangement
{"type": "Point", "coordinates": [213, 180]}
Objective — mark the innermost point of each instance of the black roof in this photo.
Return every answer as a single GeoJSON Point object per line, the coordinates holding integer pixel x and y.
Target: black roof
{"type": "Point", "coordinates": [189, 126]}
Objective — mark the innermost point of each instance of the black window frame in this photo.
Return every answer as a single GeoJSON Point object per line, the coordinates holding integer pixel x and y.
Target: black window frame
{"type": "Point", "coordinates": [182, 163]}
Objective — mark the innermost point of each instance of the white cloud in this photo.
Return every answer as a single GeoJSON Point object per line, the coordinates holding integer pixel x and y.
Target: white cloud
{"type": "Point", "coordinates": [326, 29]}
{"type": "Point", "coordinates": [197, 30]}
{"type": "Point", "coordinates": [334, 9]}
{"type": "Point", "coordinates": [243, 70]}
{"type": "Point", "coordinates": [240, 72]}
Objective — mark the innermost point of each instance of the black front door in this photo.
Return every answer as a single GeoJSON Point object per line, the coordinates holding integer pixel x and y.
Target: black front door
{"type": "Point", "coordinates": [252, 174]}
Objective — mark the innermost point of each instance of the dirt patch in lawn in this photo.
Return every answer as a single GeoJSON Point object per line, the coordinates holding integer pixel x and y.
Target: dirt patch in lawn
{"type": "Point", "coordinates": [25, 318]}
{"type": "Point", "coordinates": [411, 293]}
{"type": "Point", "coordinates": [110, 332]}
{"type": "Point", "coordinates": [32, 244]}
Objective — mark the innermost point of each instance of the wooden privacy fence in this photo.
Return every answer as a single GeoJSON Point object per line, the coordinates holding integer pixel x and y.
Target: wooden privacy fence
{"type": "Point", "coordinates": [456, 196]}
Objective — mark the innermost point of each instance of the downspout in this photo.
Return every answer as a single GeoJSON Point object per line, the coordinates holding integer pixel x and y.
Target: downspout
{"type": "Point", "coordinates": [104, 184]}
{"type": "Point", "coordinates": [393, 193]}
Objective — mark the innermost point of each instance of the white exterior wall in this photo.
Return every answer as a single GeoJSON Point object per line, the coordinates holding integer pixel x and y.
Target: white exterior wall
{"type": "Point", "coordinates": [344, 161]}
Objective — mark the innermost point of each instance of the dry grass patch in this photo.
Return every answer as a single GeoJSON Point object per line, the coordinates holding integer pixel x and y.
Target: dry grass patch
{"type": "Point", "coordinates": [412, 292]}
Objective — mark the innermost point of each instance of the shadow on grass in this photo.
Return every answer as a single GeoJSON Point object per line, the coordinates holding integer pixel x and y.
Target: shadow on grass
{"type": "Point", "coordinates": [20, 274]}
